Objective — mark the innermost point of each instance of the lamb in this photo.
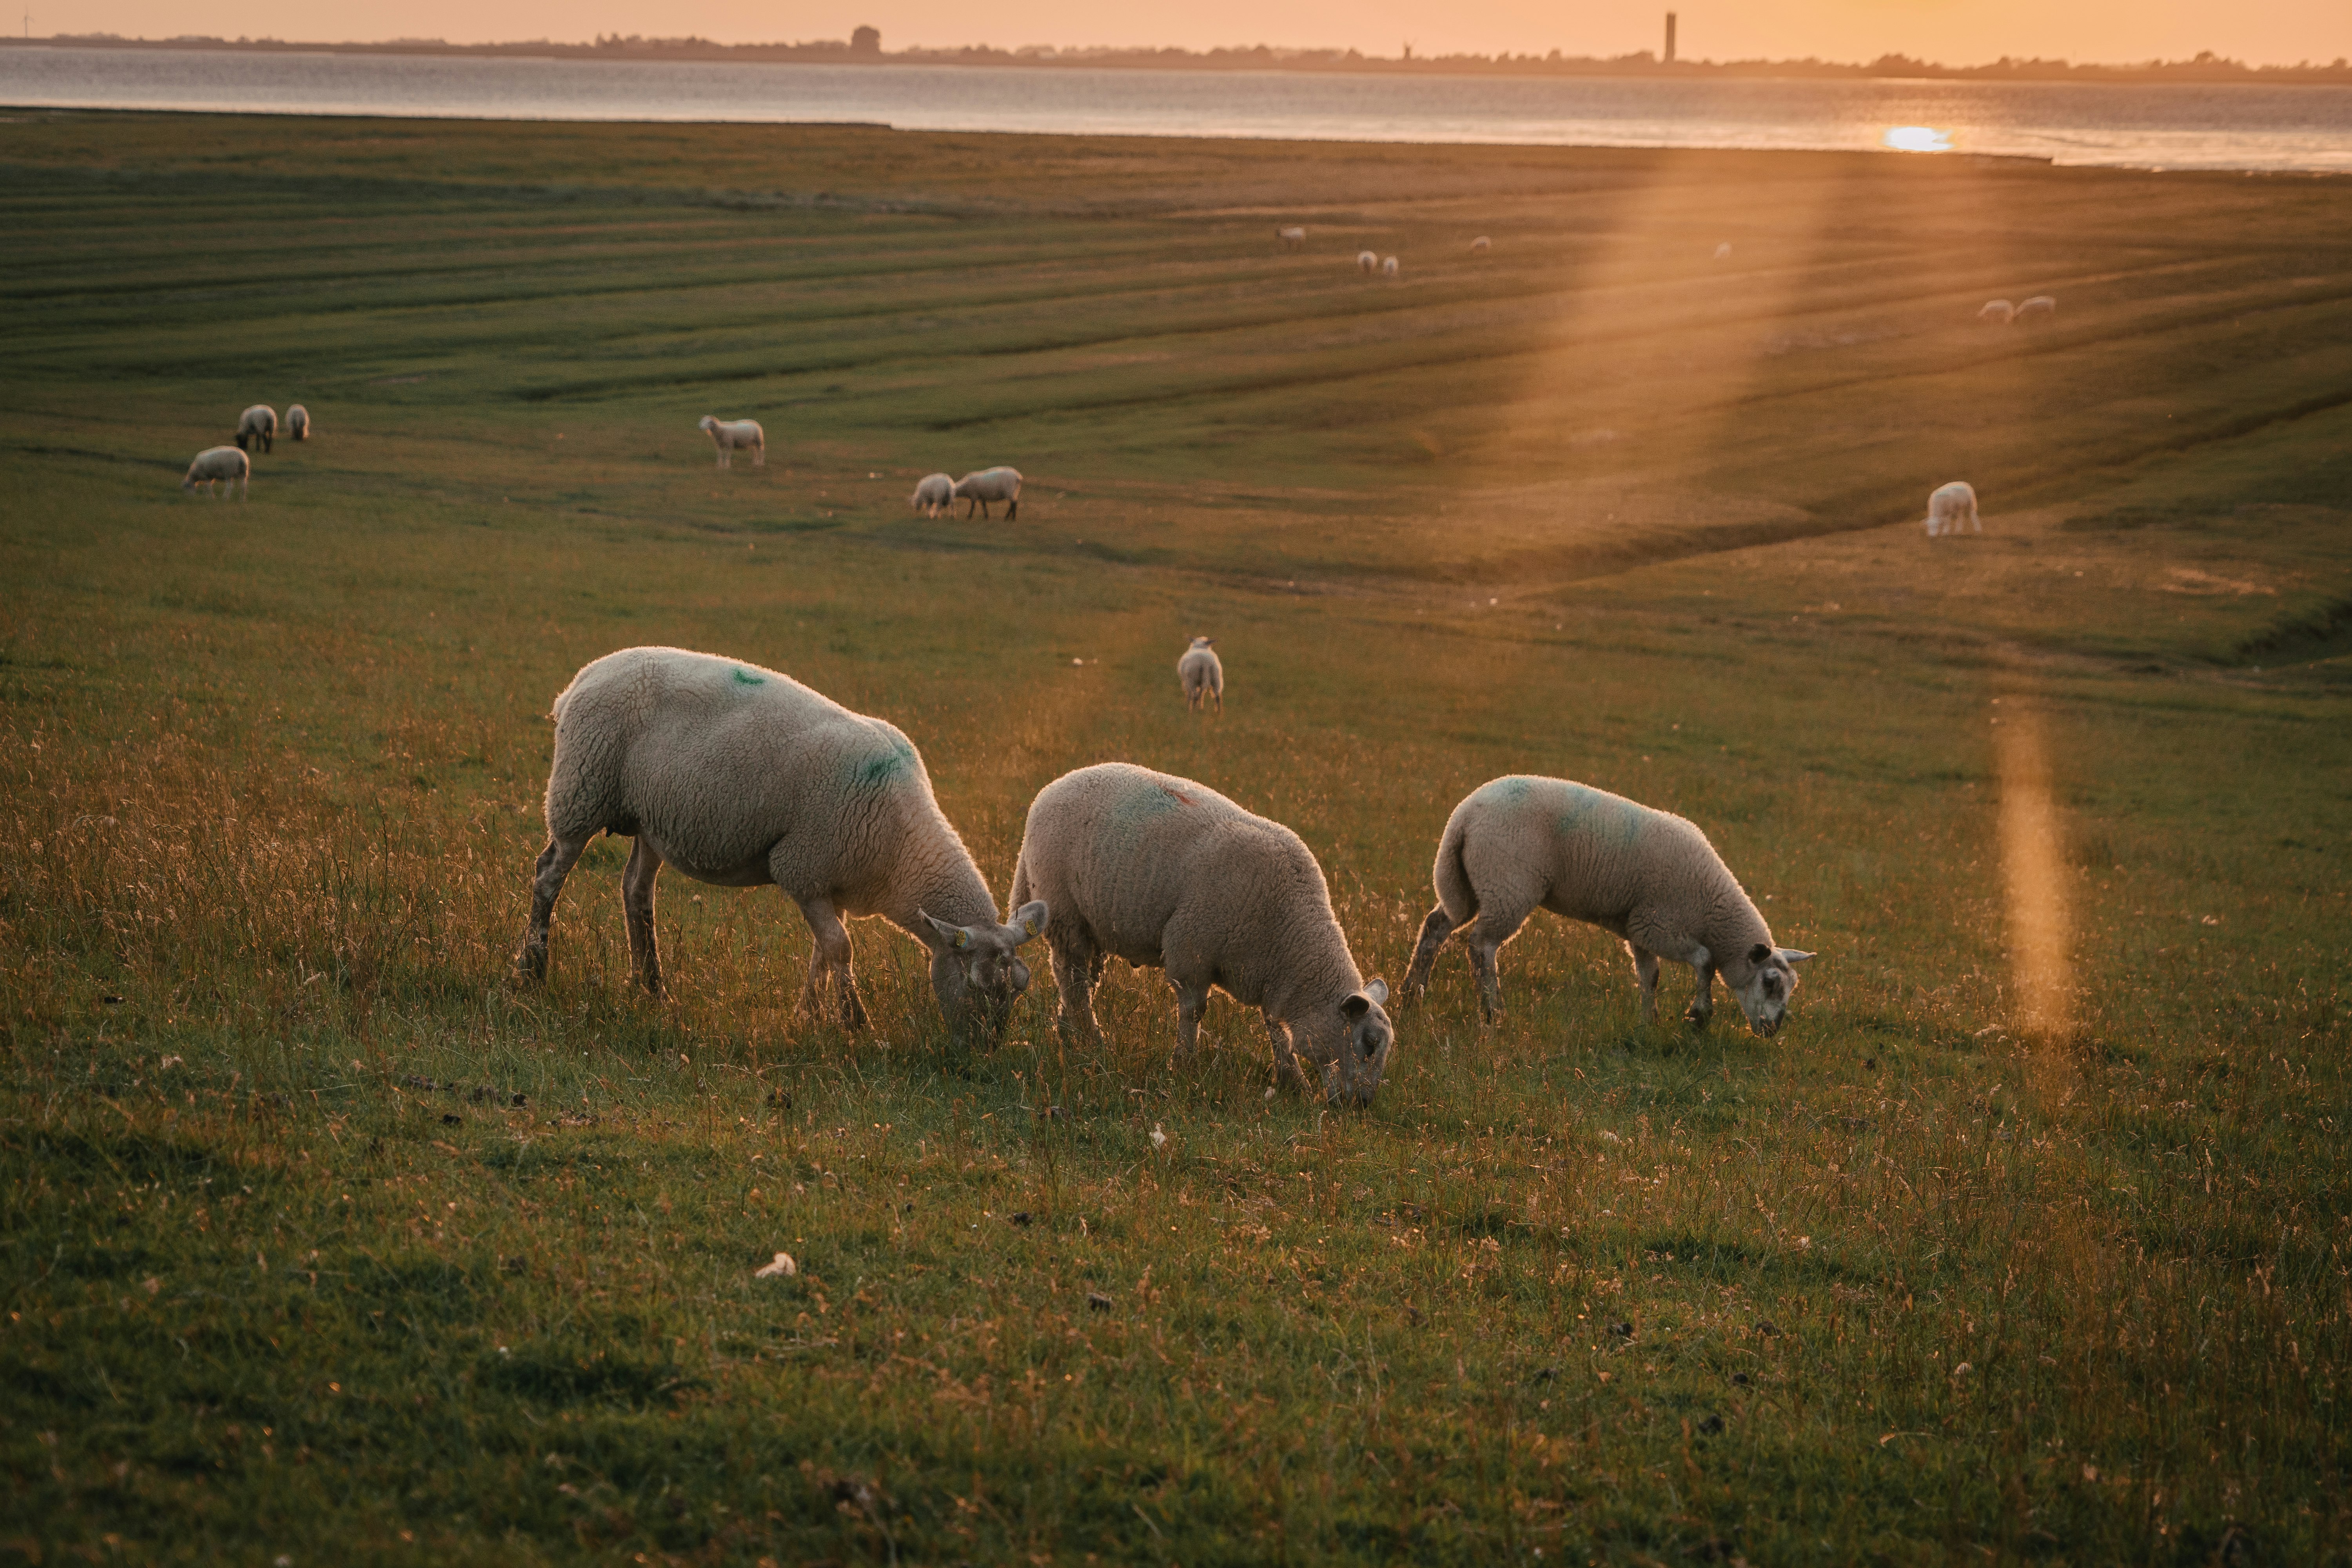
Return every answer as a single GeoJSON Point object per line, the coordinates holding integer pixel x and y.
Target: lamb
{"type": "Point", "coordinates": [1389, 268]}
{"type": "Point", "coordinates": [1291, 238]}
{"type": "Point", "coordinates": [1202, 675]}
{"type": "Point", "coordinates": [1367, 263]}
{"type": "Point", "coordinates": [2041, 307]}
{"type": "Point", "coordinates": [258, 423]}
{"type": "Point", "coordinates": [726, 434]}
{"type": "Point", "coordinates": [739, 776]}
{"type": "Point", "coordinates": [216, 467]}
{"type": "Point", "coordinates": [1645, 876]}
{"type": "Point", "coordinates": [1952, 508]}
{"type": "Point", "coordinates": [933, 492]}
{"type": "Point", "coordinates": [1998, 313]}
{"type": "Point", "coordinates": [298, 423]}
{"type": "Point", "coordinates": [990, 485]}
{"type": "Point", "coordinates": [1165, 873]}
{"type": "Point", "coordinates": [1481, 246]}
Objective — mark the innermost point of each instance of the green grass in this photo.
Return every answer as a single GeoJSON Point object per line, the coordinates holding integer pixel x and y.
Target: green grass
{"type": "Point", "coordinates": [323, 1239]}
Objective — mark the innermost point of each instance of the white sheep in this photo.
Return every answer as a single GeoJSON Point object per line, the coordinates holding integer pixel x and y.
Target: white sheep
{"type": "Point", "coordinates": [1998, 313]}
{"type": "Point", "coordinates": [1203, 675]}
{"type": "Point", "coordinates": [988, 485]}
{"type": "Point", "coordinates": [1168, 874]}
{"type": "Point", "coordinates": [1367, 263]}
{"type": "Point", "coordinates": [1481, 246]}
{"type": "Point", "coordinates": [1292, 237]}
{"type": "Point", "coordinates": [258, 423]}
{"type": "Point", "coordinates": [298, 423]}
{"type": "Point", "coordinates": [739, 776]}
{"type": "Point", "coordinates": [2041, 307]}
{"type": "Point", "coordinates": [1952, 508]}
{"type": "Point", "coordinates": [1389, 268]}
{"type": "Point", "coordinates": [1646, 877]}
{"type": "Point", "coordinates": [729, 435]}
{"type": "Point", "coordinates": [932, 494]}
{"type": "Point", "coordinates": [219, 466]}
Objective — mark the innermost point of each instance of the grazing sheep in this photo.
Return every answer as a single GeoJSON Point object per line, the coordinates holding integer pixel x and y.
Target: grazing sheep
{"type": "Point", "coordinates": [1645, 876]}
{"type": "Point", "coordinates": [1367, 263]}
{"type": "Point", "coordinates": [2041, 307]}
{"type": "Point", "coordinates": [1165, 873]}
{"type": "Point", "coordinates": [1999, 312]}
{"type": "Point", "coordinates": [1202, 675]}
{"type": "Point", "coordinates": [990, 485]}
{"type": "Point", "coordinates": [298, 423]}
{"type": "Point", "coordinates": [737, 776]}
{"type": "Point", "coordinates": [218, 465]}
{"type": "Point", "coordinates": [1952, 508]}
{"type": "Point", "coordinates": [258, 423]}
{"type": "Point", "coordinates": [728, 435]}
{"type": "Point", "coordinates": [1291, 238]}
{"type": "Point", "coordinates": [1481, 246]}
{"type": "Point", "coordinates": [1389, 268]}
{"type": "Point", "coordinates": [933, 492]}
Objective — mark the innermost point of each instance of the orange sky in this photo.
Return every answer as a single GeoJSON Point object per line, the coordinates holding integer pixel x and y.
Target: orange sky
{"type": "Point", "coordinates": [1953, 31]}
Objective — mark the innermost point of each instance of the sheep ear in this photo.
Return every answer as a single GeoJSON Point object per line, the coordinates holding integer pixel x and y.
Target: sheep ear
{"type": "Point", "coordinates": [1759, 953]}
{"type": "Point", "coordinates": [1792, 957]}
{"type": "Point", "coordinates": [1029, 920]}
{"type": "Point", "coordinates": [1377, 990]}
{"type": "Point", "coordinates": [1357, 1005]}
{"type": "Point", "coordinates": [955, 936]}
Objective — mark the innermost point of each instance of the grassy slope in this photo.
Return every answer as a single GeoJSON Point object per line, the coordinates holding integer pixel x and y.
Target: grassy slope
{"type": "Point", "coordinates": [1599, 506]}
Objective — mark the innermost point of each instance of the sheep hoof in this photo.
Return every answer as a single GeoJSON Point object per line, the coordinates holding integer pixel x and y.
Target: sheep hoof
{"type": "Point", "coordinates": [1697, 1020]}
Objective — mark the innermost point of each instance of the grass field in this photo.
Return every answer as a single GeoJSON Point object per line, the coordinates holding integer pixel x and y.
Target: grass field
{"type": "Point", "coordinates": [323, 1242]}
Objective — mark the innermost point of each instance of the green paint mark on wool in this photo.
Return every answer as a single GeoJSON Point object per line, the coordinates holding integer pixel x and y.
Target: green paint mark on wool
{"type": "Point", "coordinates": [745, 678]}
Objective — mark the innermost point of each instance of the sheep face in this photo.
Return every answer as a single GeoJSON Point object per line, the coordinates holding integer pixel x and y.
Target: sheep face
{"type": "Point", "coordinates": [1771, 980]}
{"type": "Point", "coordinates": [1365, 1038]}
{"type": "Point", "coordinates": [977, 973]}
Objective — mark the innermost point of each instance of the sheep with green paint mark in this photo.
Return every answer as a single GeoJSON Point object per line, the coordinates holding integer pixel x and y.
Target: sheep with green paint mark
{"type": "Point", "coordinates": [739, 776]}
{"type": "Point", "coordinates": [1167, 874]}
{"type": "Point", "coordinates": [1647, 877]}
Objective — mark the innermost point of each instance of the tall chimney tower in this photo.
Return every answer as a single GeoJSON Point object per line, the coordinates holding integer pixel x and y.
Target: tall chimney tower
{"type": "Point", "coordinates": [1670, 38]}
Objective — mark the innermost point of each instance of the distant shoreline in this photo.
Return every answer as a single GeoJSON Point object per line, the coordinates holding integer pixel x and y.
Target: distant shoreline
{"type": "Point", "coordinates": [2206, 71]}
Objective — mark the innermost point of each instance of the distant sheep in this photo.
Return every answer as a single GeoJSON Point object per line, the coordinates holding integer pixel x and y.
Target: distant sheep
{"type": "Point", "coordinates": [258, 423]}
{"type": "Point", "coordinates": [1388, 268]}
{"type": "Point", "coordinates": [1952, 508]}
{"type": "Point", "coordinates": [1481, 246]}
{"type": "Point", "coordinates": [739, 776]}
{"type": "Point", "coordinates": [220, 467]}
{"type": "Point", "coordinates": [932, 494]}
{"type": "Point", "coordinates": [1167, 874]}
{"type": "Point", "coordinates": [1998, 313]}
{"type": "Point", "coordinates": [1367, 263]}
{"type": "Point", "coordinates": [990, 485]}
{"type": "Point", "coordinates": [2041, 307]}
{"type": "Point", "coordinates": [732, 434]}
{"type": "Point", "coordinates": [298, 423]}
{"type": "Point", "coordinates": [1292, 237]}
{"type": "Point", "coordinates": [1646, 877]}
{"type": "Point", "coordinates": [1203, 675]}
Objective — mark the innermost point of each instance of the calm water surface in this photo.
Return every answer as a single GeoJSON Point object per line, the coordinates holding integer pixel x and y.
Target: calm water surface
{"type": "Point", "coordinates": [2150, 126]}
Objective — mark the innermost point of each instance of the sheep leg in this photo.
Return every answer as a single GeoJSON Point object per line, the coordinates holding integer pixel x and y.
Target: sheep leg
{"type": "Point", "coordinates": [637, 905]}
{"type": "Point", "coordinates": [1488, 932]}
{"type": "Point", "coordinates": [759, 457]}
{"type": "Point", "coordinates": [1435, 930]}
{"type": "Point", "coordinates": [555, 863]}
{"type": "Point", "coordinates": [1702, 1007]}
{"type": "Point", "coordinates": [1645, 970]}
{"type": "Point", "coordinates": [1286, 1068]}
{"type": "Point", "coordinates": [1012, 509]}
{"type": "Point", "coordinates": [1191, 1001]}
{"type": "Point", "coordinates": [832, 957]}
{"type": "Point", "coordinates": [1077, 967]}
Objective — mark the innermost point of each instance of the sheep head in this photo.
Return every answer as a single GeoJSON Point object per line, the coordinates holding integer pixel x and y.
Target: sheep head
{"type": "Point", "coordinates": [1352, 1074]}
{"type": "Point", "coordinates": [1764, 991]}
{"type": "Point", "coordinates": [977, 973]}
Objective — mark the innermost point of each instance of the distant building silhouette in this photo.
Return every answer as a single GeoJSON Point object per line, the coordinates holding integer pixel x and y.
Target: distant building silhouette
{"type": "Point", "coordinates": [866, 41]}
{"type": "Point", "coordinates": [1670, 38]}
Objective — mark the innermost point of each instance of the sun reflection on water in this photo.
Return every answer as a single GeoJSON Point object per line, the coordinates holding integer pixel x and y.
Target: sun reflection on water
{"type": "Point", "coordinates": [1917, 139]}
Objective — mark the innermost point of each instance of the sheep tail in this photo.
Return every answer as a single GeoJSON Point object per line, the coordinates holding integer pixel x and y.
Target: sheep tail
{"type": "Point", "coordinates": [1453, 877]}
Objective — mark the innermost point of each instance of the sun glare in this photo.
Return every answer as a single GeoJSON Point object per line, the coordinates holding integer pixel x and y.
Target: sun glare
{"type": "Point", "coordinates": [1917, 139]}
